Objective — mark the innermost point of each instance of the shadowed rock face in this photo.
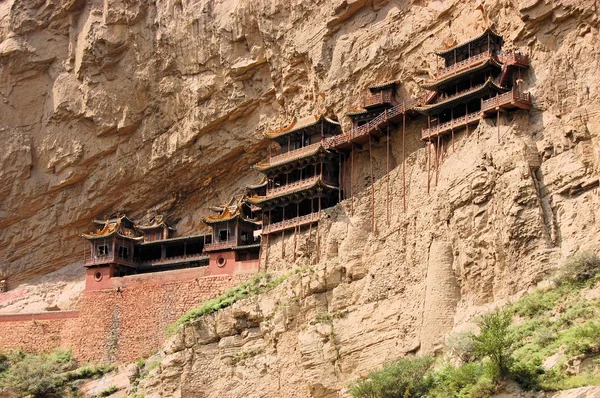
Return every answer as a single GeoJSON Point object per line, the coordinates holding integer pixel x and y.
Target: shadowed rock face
{"type": "Point", "coordinates": [118, 106]}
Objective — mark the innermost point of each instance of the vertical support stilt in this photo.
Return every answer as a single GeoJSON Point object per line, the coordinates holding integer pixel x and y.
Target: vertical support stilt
{"type": "Point", "coordinates": [437, 160]}
{"type": "Point", "coordinates": [372, 188]}
{"type": "Point", "coordinates": [283, 244]}
{"type": "Point", "coordinates": [344, 187]}
{"type": "Point", "coordinates": [467, 118]}
{"type": "Point", "coordinates": [340, 185]}
{"type": "Point", "coordinates": [452, 129]}
{"type": "Point", "coordinates": [498, 123]}
{"type": "Point", "coordinates": [429, 155]}
{"type": "Point", "coordinates": [295, 238]}
{"type": "Point", "coordinates": [404, 161]}
{"type": "Point", "coordinates": [387, 165]}
{"type": "Point", "coordinates": [351, 178]}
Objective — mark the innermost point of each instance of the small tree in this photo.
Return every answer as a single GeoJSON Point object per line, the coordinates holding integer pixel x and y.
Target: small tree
{"type": "Point", "coordinates": [495, 340]}
{"type": "Point", "coordinates": [405, 378]}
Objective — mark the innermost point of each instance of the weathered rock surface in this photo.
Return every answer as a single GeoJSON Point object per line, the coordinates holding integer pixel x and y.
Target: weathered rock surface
{"type": "Point", "coordinates": [126, 106]}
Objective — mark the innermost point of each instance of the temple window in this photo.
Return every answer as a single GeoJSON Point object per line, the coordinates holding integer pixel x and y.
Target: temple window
{"type": "Point", "coordinates": [123, 252]}
{"type": "Point", "coordinates": [223, 235]}
{"type": "Point", "coordinates": [102, 250]}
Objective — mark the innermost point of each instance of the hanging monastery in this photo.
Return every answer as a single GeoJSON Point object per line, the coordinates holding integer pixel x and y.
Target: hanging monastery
{"type": "Point", "coordinates": [478, 80]}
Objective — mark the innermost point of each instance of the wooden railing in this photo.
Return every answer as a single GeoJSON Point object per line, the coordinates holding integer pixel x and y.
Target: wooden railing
{"type": "Point", "coordinates": [373, 124]}
{"type": "Point", "coordinates": [292, 222]}
{"type": "Point", "coordinates": [503, 99]}
{"type": "Point", "coordinates": [306, 182]}
{"type": "Point", "coordinates": [486, 105]}
{"type": "Point", "coordinates": [379, 98]}
{"type": "Point", "coordinates": [106, 259]}
{"type": "Point", "coordinates": [512, 57]}
{"type": "Point", "coordinates": [292, 186]}
{"type": "Point", "coordinates": [460, 66]}
{"type": "Point", "coordinates": [186, 257]}
{"type": "Point", "coordinates": [454, 123]}
{"type": "Point", "coordinates": [295, 153]}
{"type": "Point", "coordinates": [227, 244]}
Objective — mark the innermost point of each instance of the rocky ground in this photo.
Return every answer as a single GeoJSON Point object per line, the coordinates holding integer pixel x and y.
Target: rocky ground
{"type": "Point", "coordinates": [116, 106]}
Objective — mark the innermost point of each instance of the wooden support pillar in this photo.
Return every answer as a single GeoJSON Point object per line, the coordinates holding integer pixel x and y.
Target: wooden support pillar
{"type": "Point", "coordinates": [437, 160]}
{"type": "Point", "coordinates": [282, 244]}
{"type": "Point", "coordinates": [267, 252]}
{"type": "Point", "coordinates": [372, 188]}
{"type": "Point", "coordinates": [351, 178]}
{"type": "Point", "coordinates": [429, 154]}
{"type": "Point", "coordinates": [387, 180]}
{"type": "Point", "coordinates": [466, 117]}
{"type": "Point", "coordinates": [404, 160]}
{"type": "Point", "coordinates": [498, 121]}
{"type": "Point", "coordinates": [452, 126]}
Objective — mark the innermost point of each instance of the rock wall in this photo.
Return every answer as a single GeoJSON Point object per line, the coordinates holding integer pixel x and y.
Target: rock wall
{"type": "Point", "coordinates": [121, 324]}
{"type": "Point", "coordinates": [161, 106]}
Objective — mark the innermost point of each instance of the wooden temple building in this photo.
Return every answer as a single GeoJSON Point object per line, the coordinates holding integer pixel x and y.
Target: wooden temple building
{"type": "Point", "coordinates": [302, 179]}
{"type": "Point", "coordinates": [478, 80]}
{"type": "Point", "coordinates": [235, 239]}
{"type": "Point", "coordinates": [120, 247]}
{"type": "Point", "coordinates": [307, 173]}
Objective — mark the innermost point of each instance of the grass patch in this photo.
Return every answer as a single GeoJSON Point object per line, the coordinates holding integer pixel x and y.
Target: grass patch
{"type": "Point", "coordinates": [258, 284]}
{"type": "Point", "coordinates": [45, 375]}
{"type": "Point", "coordinates": [110, 390]}
{"type": "Point", "coordinates": [403, 378]}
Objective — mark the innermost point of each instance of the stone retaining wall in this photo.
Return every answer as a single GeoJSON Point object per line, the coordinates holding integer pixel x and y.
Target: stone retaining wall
{"type": "Point", "coordinates": [121, 323]}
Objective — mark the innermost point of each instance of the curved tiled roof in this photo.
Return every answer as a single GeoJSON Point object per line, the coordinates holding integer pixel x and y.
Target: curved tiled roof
{"type": "Point", "coordinates": [435, 83]}
{"type": "Point", "coordinates": [477, 90]}
{"type": "Point", "coordinates": [456, 46]}
{"type": "Point", "coordinates": [110, 228]}
{"type": "Point", "coordinates": [300, 124]}
{"type": "Point", "coordinates": [382, 86]}
{"type": "Point", "coordinates": [256, 200]}
{"type": "Point", "coordinates": [263, 166]}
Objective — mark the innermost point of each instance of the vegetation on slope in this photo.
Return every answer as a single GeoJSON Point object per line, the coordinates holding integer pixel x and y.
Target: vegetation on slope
{"type": "Point", "coordinates": [260, 283]}
{"type": "Point", "coordinates": [554, 327]}
{"type": "Point", "coordinates": [44, 375]}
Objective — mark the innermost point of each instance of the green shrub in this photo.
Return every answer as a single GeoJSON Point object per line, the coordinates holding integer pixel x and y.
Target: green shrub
{"type": "Point", "coordinates": [44, 375]}
{"type": "Point", "coordinates": [404, 378]}
{"type": "Point", "coordinates": [580, 267]}
{"type": "Point", "coordinates": [452, 381]}
{"type": "Point", "coordinates": [495, 340]}
{"type": "Point", "coordinates": [528, 375]}
{"type": "Point", "coordinates": [536, 303]}
{"type": "Point", "coordinates": [582, 338]}
{"type": "Point", "coordinates": [460, 345]}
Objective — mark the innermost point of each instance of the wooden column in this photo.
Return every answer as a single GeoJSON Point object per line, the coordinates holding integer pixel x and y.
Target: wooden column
{"type": "Point", "coordinates": [404, 160]}
{"type": "Point", "coordinates": [351, 178]}
{"type": "Point", "coordinates": [372, 188]}
{"type": "Point", "coordinates": [429, 154]}
{"type": "Point", "coordinates": [387, 167]}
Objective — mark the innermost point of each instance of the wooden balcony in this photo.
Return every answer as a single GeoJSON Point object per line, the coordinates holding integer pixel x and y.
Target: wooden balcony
{"type": "Point", "coordinates": [509, 100]}
{"type": "Point", "coordinates": [383, 97]}
{"type": "Point", "coordinates": [92, 260]}
{"type": "Point", "coordinates": [175, 260]}
{"type": "Point", "coordinates": [513, 58]}
{"type": "Point", "coordinates": [227, 244]}
{"type": "Point", "coordinates": [291, 223]}
{"type": "Point", "coordinates": [360, 135]}
{"type": "Point", "coordinates": [461, 66]}
{"type": "Point", "coordinates": [459, 122]}
{"type": "Point", "coordinates": [294, 186]}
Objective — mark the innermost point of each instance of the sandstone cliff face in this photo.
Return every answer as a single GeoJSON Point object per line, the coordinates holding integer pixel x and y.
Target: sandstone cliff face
{"type": "Point", "coordinates": [126, 106]}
